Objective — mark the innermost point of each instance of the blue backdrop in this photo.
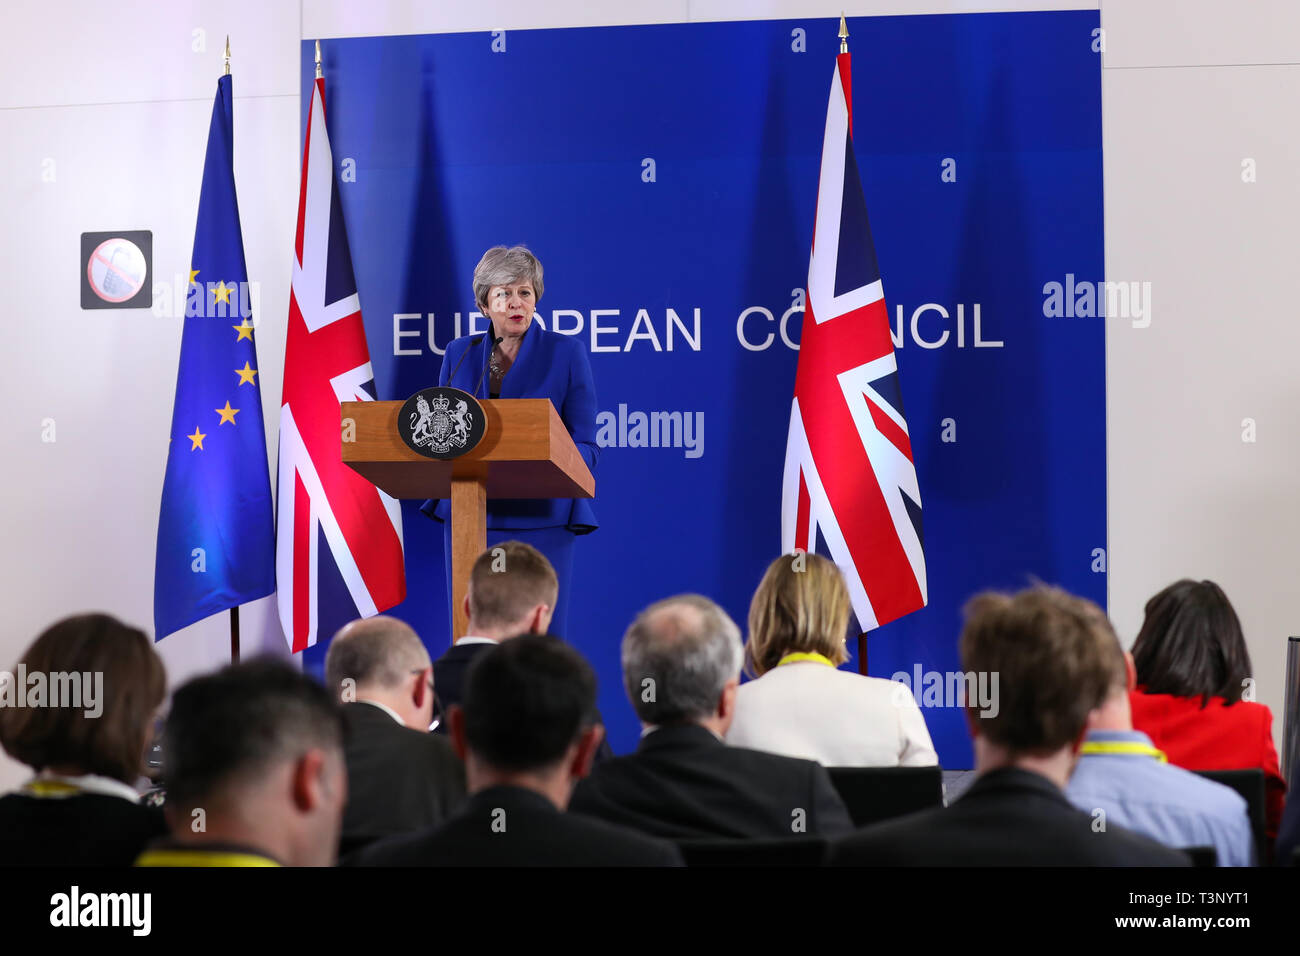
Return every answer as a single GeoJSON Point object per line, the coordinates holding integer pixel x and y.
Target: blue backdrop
{"type": "Point", "coordinates": [673, 169]}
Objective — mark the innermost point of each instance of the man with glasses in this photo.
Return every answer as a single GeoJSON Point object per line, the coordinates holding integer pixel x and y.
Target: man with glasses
{"type": "Point", "coordinates": [400, 777]}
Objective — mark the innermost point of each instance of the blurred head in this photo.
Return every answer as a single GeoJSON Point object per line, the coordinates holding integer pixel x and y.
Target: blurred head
{"type": "Point", "coordinates": [801, 606]}
{"type": "Point", "coordinates": [1116, 711]}
{"type": "Point", "coordinates": [382, 659]}
{"type": "Point", "coordinates": [258, 747]}
{"type": "Point", "coordinates": [528, 714]}
{"type": "Point", "coordinates": [1056, 659]}
{"type": "Point", "coordinates": [681, 663]}
{"type": "Point", "coordinates": [507, 288]}
{"type": "Point", "coordinates": [512, 590]}
{"type": "Point", "coordinates": [110, 684]}
{"type": "Point", "coordinates": [1191, 644]}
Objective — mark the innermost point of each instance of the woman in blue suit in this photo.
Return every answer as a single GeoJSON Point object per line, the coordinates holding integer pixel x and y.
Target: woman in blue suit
{"type": "Point", "coordinates": [526, 362]}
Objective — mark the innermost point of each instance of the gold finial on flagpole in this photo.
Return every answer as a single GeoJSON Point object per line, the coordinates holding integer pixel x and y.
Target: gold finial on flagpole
{"type": "Point", "coordinates": [318, 72]}
{"type": "Point", "coordinates": [844, 35]}
{"type": "Point", "coordinates": [227, 54]}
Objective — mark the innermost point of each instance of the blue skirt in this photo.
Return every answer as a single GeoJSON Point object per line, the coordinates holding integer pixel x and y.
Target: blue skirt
{"type": "Point", "coordinates": [555, 543]}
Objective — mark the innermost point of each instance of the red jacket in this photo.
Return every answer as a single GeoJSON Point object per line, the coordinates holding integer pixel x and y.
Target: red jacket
{"type": "Point", "coordinates": [1217, 737]}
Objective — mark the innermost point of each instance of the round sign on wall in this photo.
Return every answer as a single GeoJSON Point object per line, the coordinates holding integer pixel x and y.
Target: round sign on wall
{"type": "Point", "coordinates": [116, 270]}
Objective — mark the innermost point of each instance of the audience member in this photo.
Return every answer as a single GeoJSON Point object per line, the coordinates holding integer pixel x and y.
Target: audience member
{"type": "Point", "coordinates": [801, 705]}
{"type": "Point", "coordinates": [1194, 689]}
{"type": "Point", "coordinates": [526, 735]}
{"type": "Point", "coordinates": [1053, 672]}
{"type": "Point", "coordinates": [681, 669]}
{"type": "Point", "coordinates": [512, 591]}
{"type": "Point", "coordinates": [401, 778]}
{"type": "Point", "coordinates": [253, 760]}
{"type": "Point", "coordinates": [1120, 773]}
{"type": "Point", "coordinates": [79, 709]}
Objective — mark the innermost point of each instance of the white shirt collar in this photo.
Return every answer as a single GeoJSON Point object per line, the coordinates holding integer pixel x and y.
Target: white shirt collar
{"type": "Point", "coordinates": [384, 707]}
{"type": "Point", "coordinates": [471, 639]}
{"type": "Point", "coordinates": [94, 783]}
{"type": "Point", "coordinates": [648, 729]}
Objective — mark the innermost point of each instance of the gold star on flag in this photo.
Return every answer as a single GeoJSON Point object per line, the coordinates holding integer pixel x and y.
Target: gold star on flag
{"type": "Point", "coordinates": [194, 274]}
{"type": "Point", "coordinates": [227, 414]}
{"type": "Point", "coordinates": [222, 293]}
{"type": "Point", "coordinates": [196, 440]}
{"type": "Point", "coordinates": [245, 331]}
{"type": "Point", "coordinates": [246, 375]}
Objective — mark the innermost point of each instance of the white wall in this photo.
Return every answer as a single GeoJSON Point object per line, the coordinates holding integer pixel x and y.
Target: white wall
{"type": "Point", "coordinates": [117, 100]}
{"type": "Point", "coordinates": [1190, 90]}
{"type": "Point", "coordinates": [120, 101]}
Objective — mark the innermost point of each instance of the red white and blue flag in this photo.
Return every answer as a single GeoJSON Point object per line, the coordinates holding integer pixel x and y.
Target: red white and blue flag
{"type": "Point", "coordinates": [849, 476]}
{"type": "Point", "coordinates": [338, 548]}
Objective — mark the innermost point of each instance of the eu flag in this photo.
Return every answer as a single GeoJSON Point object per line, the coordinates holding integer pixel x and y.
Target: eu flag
{"type": "Point", "coordinates": [216, 538]}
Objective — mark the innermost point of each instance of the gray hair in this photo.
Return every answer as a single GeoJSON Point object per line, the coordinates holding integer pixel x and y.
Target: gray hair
{"type": "Point", "coordinates": [502, 266]}
{"type": "Point", "coordinates": [376, 651]}
{"type": "Point", "coordinates": [677, 656]}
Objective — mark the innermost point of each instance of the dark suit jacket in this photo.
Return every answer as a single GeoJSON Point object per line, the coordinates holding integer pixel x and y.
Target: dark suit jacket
{"type": "Point", "coordinates": [549, 365]}
{"type": "Point", "coordinates": [449, 676]}
{"type": "Point", "coordinates": [684, 783]}
{"type": "Point", "coordinates": [399, 779]}
{"type": "Point", "coordinates": [449, 684]}
{"type": "Point", "coordinates": [512, 826]}
{"type": "Point", "coordinates": [1008, 817]}
{"type": "Point", "coordinates": [88, 829]}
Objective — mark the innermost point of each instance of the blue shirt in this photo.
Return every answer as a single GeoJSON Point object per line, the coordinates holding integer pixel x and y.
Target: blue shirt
{"type": "Point", "coordinates": [1167, 803]}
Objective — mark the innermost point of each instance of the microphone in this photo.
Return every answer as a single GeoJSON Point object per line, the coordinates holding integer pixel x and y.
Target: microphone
{"type": "Point", "coordinates": [496, 340]}
{"type": "Point", "coordinates": [464, 355]}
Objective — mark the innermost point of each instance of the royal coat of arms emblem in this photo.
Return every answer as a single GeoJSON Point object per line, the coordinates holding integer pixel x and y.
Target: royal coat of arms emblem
{"type": "Point", "coordinates": [441, 422]}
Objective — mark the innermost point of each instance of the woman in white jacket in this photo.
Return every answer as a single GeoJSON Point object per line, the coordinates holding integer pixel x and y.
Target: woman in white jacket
{"type": "Point", "coordinates": [800, 704]}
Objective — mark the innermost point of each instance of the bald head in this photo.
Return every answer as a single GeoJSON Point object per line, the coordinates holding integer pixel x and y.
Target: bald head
{"type": "Point", "coordinates": [376, 653]}
{"type": "Point", "coordinates": [678, 657]}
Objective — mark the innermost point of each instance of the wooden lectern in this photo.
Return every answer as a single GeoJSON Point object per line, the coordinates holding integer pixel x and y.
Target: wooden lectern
{"type": "Point", "coordinates": [526, 452]}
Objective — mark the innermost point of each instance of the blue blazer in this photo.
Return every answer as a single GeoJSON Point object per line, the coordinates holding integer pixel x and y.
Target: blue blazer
{"type": "Point", "coordinates": [548, 366]}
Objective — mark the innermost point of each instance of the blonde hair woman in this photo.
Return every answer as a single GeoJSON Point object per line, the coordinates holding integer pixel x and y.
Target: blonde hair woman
{"type": "Point", "coordinates": [799, 703]}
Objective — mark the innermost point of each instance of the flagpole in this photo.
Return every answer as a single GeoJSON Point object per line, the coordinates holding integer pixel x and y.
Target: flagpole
{"type": "Point", "coordinates": [862, 637]}
{"type": "Point", "coordinates": [234, 611]}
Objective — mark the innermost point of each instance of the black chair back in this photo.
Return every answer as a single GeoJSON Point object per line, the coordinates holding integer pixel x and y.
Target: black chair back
{"type": "Point", "coordinates": [873, 794]}
{"type": "Point", "coordinates": [1250, 784]}
{"type": "Point", "coordinates": [796, 851]}
{"type": "Point", "coordinates": [1202, 855]}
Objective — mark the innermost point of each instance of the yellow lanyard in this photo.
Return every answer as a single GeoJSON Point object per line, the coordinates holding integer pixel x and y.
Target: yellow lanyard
{"type": "Point", "coordinates": [1122, 748]}
{"type": "Point", "coordinates": [201, 858]}
{"type": "Point", "coordinates": [50, 788]}
{"type": "Point", "coordinates": [800, 656]}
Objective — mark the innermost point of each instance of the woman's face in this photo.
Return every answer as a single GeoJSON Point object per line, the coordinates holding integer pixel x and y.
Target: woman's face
{"type": "Point", "coordinates": [510, 307]}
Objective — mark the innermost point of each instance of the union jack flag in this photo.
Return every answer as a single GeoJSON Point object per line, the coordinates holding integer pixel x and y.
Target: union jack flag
{"type": "Point", "coordinates": [849, 475]}
{"type": "Point", "coordinates": [338, 548]}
